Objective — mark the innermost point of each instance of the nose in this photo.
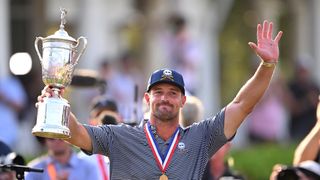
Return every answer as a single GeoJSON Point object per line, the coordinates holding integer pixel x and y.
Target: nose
{"type": "Point", "coordinates": [164, 97]}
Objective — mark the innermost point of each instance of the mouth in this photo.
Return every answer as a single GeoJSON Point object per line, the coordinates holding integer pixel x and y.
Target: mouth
{"type": "Point", "coordinates": [165, 107]}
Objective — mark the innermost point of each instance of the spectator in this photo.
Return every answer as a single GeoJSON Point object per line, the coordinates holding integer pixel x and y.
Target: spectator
{"type": "Point", "coordinates": [303, 100]}
{"type": "Point", "coordinates": [102, 103]}
{"type": "Point", "coordinates": [306, 170]}
{"type": "Point", "coordinates": [103, 112]}
{"type": "Point", "coordinates": [265, 126]}
{"type": "Point", "coordinates": [305, 161]}
{"type": "Point", "coordinates": [192, 111]}
{"type": "Point", "coordinates": [184, 52]}
{"type": "Point", "coordinates": [125, 88]}
{"type": "Point", "coordinates": [12, 101]}
{"type": "Point", "coordinates": [219, 168]}
{"type": "Point", "coordinates": [309, 147]}
{"type": "Point", "coordinates": [61, 163]}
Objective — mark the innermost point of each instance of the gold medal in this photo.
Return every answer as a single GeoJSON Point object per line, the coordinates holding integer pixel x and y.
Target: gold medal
{"type": "Point", "coordinates": [163, 177]}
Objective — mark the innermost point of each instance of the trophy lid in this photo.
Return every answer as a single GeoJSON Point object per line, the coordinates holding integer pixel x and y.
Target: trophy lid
{"type": "Point", "coordinates": [61, 34]}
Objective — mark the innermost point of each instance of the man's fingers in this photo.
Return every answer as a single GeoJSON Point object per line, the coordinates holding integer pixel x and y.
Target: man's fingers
{"type": "Point", "coordinates": [264, 29]}
{"type": "Point", "coordinates": [269, 35]}
{"type": "Point", "coordinates": [278, 37]}
{"type": "Point", "coordinates": [253, 46]}
{"type": "Point", "coordinates": [259, 31]}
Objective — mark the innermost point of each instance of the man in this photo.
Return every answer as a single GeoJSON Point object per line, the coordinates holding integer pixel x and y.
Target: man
{"type": "Point", "coordinates": [159, 148]}
{"type": "Point", "coordinates": [309, 147]}
{"type": "Point", "coordinates": [192, 111]}
{"type": "Point", "coordinates": [103, 105]}
{"type": "Point", "coordinates": [306, 156]}
{"type": "Point", "coordinates": [61, 163]}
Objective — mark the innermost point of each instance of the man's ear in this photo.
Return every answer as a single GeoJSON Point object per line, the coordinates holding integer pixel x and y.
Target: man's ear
{"type": "Point", "coordinates": [147, 98]}
{"type": "Point", "coordinates": [183, 101]}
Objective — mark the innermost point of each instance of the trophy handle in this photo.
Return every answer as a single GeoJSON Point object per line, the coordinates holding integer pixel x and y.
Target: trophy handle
{"type": "Point", "coordinates": [36, 42]}
{"type": "Point", "coordinates": [84, 46]}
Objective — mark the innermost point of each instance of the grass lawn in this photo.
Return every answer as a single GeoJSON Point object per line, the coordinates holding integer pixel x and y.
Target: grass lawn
{"type": "Point", "coordinates": [256, 161]}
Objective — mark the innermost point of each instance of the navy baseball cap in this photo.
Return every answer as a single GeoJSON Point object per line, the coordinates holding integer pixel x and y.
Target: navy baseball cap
{"type": "Point", "coordinates": [166, 76]}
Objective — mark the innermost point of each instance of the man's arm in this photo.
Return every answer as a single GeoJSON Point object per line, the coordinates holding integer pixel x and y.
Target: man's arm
{"type": "Point", "coordinates": [79, 135]}
{"type": "Point", "coordinates": [309, 146]}
{"type": "Point", "coordinates": [250, 94]}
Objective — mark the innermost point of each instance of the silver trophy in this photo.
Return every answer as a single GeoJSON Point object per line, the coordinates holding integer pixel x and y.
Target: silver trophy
{"type": "Point", "coordinates": [60, 54]}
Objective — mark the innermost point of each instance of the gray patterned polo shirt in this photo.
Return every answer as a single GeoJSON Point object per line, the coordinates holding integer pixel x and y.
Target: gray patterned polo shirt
{"type": "Point", "coordinates": [131, 156]}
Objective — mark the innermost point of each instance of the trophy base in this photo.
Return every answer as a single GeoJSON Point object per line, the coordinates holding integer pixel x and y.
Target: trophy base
{"type": "Point", "coordinates": [52, 119]}
{"type": "Point", "coordinates": [52, 131]}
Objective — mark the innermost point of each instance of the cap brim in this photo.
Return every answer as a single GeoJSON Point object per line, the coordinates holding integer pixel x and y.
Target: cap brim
{"type": "Point", "coordinates": [167, 82]}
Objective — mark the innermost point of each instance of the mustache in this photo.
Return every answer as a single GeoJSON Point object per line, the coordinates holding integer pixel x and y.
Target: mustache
{"type": "Point", "coordinates": [165, 103]}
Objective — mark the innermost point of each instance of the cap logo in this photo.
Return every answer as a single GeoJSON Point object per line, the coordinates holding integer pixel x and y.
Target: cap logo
{"type": "Point", "coordinates": [167, 74]}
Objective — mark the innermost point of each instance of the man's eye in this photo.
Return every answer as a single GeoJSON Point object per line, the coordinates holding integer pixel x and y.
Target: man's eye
{"type": "Point", "coordinates": [173, 93]}
{"type": "Point", "coordinates": [157, 92]}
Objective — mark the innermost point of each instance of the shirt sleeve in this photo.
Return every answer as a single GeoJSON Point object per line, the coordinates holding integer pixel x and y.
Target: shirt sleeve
{"type": "Point", "coordinates": [213, 132]}
{"type": "Point", "coordinates": [100, 138]}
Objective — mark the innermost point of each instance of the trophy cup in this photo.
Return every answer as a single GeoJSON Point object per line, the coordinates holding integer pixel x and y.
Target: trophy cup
{"type": "Point", "coordinates": [60, 54]}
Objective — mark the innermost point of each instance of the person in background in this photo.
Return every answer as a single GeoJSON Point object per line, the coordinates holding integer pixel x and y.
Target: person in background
{"type": "Point", "coordinates": [266, 127]}
{"type": "Point", "coordinates": [309, 147]}
{"type": "Point", "coordinates": [302, 100]}
{"type": "Point", "coordinates": [306, 157]}
{"type": "Point", "coordinates": [125, 88]}
{"type": "Point", "coordinates": [104, 111]}
{"type": "Point", "coordinates": [306, 170]}
{"type": "Point", "coordinates": [102, 104]}
{"type": "Point", "coordinates": [192, 111]}
{"type": "Point", "coordinates": [219, 167]}
{"type": "Point", "coordinates": [61, 163]}
{"type": "Point", "coordinates": [13, 99]}
{"type": "Point", "coordinates": [159, 148]}
{"type": "Point", "coordinates": [184, 52]}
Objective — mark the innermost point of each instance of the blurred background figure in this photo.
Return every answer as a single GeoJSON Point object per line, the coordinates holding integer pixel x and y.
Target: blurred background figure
{"type": "Point", "coordinates": [104, 111]}
{"type": "Point", "coordinates": [192, 111]}
{"type": "Point", "coordinates": [306, 157]}
{"type": "Point", "coordinates": [303, 100]}
{"type": "Point", "coordinates": [306, 170]}
{"type": "Point", "coordinates": [184, 54]}
{"type": "Point", "coordinates": [309, 147]}
{"type": "Point", "coordinates": [105, 69]}
{"type": "Point", "coordinates": [126, 88]}
{"type": "Point", "coordinates": [101, 104]}
{"type": "Point", "coordinates": [219, 167]}
{"type": "Point", "coordinates": [61, 163]}
{"type": "Point", "coordinates": [264, 126]}
{"type": "Point", "coordinates": [12, 101]}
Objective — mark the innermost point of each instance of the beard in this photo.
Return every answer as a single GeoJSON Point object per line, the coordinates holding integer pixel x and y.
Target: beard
{"type": "Point", "coordinates": [165, 113]}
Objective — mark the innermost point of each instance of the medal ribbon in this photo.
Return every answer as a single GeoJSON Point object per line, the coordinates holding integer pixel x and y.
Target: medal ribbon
{"type": "Point", "coordinates": [162, 160]}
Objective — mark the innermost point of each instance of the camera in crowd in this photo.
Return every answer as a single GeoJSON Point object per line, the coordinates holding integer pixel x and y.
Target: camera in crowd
{"type": "Point", "coordinates": [11, 158]}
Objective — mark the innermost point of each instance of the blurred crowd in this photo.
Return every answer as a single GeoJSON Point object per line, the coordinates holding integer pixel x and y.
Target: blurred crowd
{"type": "Point", "coordinates": [287, 112]}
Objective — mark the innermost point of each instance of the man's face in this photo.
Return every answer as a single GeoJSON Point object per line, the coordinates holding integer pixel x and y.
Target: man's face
{"type": "Point", "coordinates": [165, 101]}
{"type": "Point", "coordinates": [57, 147]}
